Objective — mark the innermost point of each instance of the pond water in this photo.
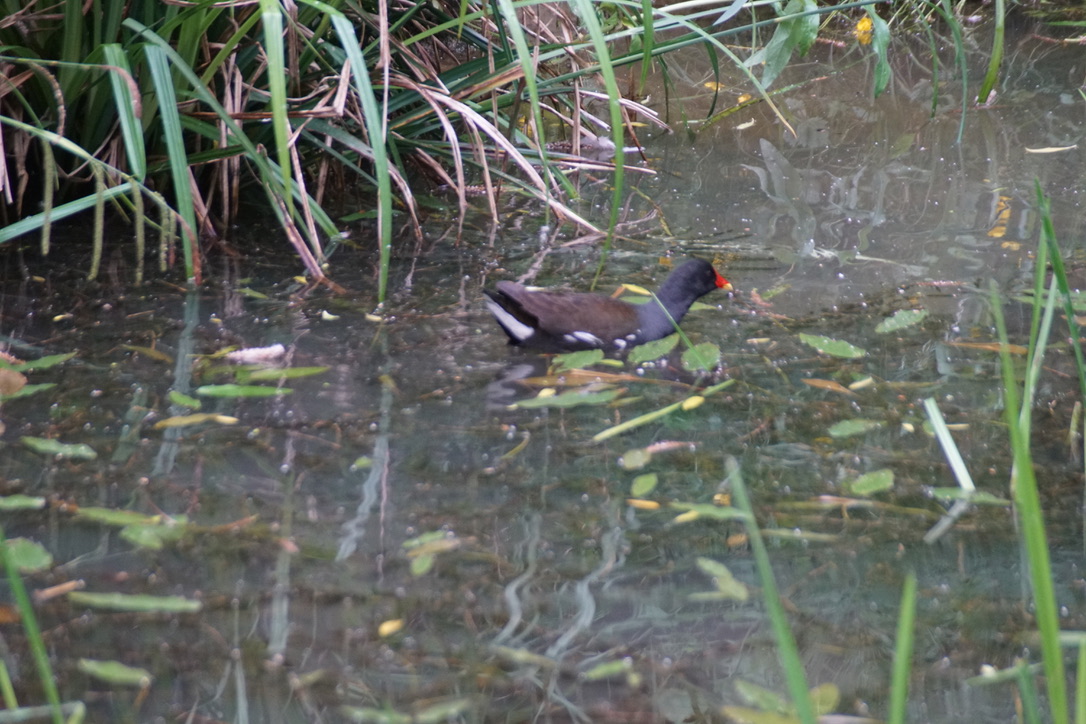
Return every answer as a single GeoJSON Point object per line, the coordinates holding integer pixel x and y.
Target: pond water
{"type": "Point", "coordinates": [393, 537]}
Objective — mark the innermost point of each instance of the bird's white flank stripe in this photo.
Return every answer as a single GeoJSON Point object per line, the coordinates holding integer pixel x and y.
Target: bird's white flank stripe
{"type": "Point", "coordinates": [583, 338]}
{"type": "Point", "coordinates": [511, 324]}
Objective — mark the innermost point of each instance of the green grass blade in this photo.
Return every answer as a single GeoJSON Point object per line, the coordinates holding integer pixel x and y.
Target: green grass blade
{"type": "Point", "coordinates": [159, 66]}
{"type": "Point", "coordinates": [375, 127]}
{"type": "Point", "coordinates": [1048, 237]}
{"type": "Point", "coordinates": [126, 99]}
{"type": "Point", "coordinates": [996, 57]}
{"type": "Point", "coordinates": [778, 619]}
{"type": "Point", "coordinates": [272, 20]}
{"type": "Point", "coordinates": [32, 631]}
{"type": "Point", "coordinates": [1028, 506]}
{"type": "Point", "coordinates": [1080, 685]}
{"type": "Point", "coordinates": [903, 651]}
{"type": "Point", "coordinates": [587, 11]}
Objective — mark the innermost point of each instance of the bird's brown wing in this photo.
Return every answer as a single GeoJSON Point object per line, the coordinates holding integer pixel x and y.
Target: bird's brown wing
{"type": "Point", "coordinates": [560, 314]}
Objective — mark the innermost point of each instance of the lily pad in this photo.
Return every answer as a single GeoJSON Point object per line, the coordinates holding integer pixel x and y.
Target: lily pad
{"type": "Point", "coordinates": [876, 481]}
{"type": "Point", "coordinates": [858, 426]}
{"type": "Point", "coordinates": [901, 319]}
{"type": "Point", "coordinates": [653, 350]}
{"type": "Point", "coordinates": [577, 360]}
{"type": "Point", "coordinates": [833, 347]}
{"type": "Point", "coordinates": [701, 357]}
{"type": "Point", "coordinates": [27, 555]}
{"type": "Point", "coordinates": [635, 459]}
{"type": "Point", "coordinates": [643, 485]}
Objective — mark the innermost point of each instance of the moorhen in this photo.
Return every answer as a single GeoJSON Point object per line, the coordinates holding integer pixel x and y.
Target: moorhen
{"type": "Point", "coordinates": [572, 321]}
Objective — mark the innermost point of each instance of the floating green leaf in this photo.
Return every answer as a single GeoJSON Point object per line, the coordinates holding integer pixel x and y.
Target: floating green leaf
{"type": "Point", "coordinates": [423, 540]}
{"type": "Point", "coordinates": [183, 400]}
{"type": "Point", "coordinates": [761, 697]}
{"type": "Point", "coordinates": [28, 555]}
{"type": "Point", "coordinates": [858, 426]}
{"type": "Point", "coordinates": [635, 459]}
{"type": "Point", "coordinates": [21, 502]}
{"type": "Point", "coordinates": [701, 357]}
{"type": "Point", "coordinates": [252, 293]}
{"type": "Point", "coordinates": [901, 319]}
{"type": "Point", "coordinates": [114, 672]}
{"type": "Point", "coordinates": [643, 485]}
{"type": "Point", "coordinates": [876, 481]}
{"type": "Point", "coordinates": [136, 603]}
{"type": "Point", "coordinates": [195, 419]}
{"type": "Point", "coordinates": [726, 584]}
{"type": "Point", "coordinates": [152, 537]}
{"type": "Point", "coordinates": [577, 360]}
{"type": "Point", "coordinates": [77, 451]}
{"type": "Point", "coordinates": [978, 497]}
{"type": "Point", "coordinates": [833, 347]}
{"type": "Point", "coordinates": [715, 512]}
{"type": "Point", "coordinates": [443, 711]}
{"type": "Point", "coordinates": [362, 462]}
{"type": "Point", "coordinates": [110, 516]}
{"type": "Point", "coordinates": [421, 565]}
{"type": "Point", "coordinates": [572, 398]}
{"type": "Point", "coordinates": [653, 350]}
{"type": "Point", "coordinates": [27, 390]}
{"type": "Point", "coordinates": [43, 363]}
{"type": "Point", "coordinates": [607, 670]}
{"type": "Point", "coordinates": [241, 391]}
{"type": "Point", "coordinates": [284, 373]}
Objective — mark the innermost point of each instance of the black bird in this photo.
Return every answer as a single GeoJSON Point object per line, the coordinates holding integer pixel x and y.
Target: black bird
{"type": "Point", "coordinates": [571, 321]}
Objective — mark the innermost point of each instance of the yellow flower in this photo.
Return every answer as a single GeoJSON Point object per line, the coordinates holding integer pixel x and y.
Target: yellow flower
{"type": "Point", "coordinates": [863, 30]}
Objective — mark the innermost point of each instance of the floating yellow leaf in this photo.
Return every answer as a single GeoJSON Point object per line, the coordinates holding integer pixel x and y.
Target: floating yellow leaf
{"type": "Point", "coordinates": [693, 402]}
{"type": "Point", "coordinates": [642, 504]}
{"type": "Point", "coordinates": [11, 381]}
{"type": "Point", "coordinates": [387, 628]}
{"type": "Point", "coordinates": [186, 420]}
{"type": "Point", "coordinates": [1052, 149]}
{"type": "Point", "coordinates": [149, 352]}
{"type": "Point", "coordinates": [991, 347]}
{"type": "Point", "coordinates": [114, 672]}
{"type": "Point", "coordinates": [828, 385]}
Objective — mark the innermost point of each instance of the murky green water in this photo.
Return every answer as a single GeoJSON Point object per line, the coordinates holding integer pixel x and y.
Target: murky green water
{"type": "Point", "coordinates": [391, 535]}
